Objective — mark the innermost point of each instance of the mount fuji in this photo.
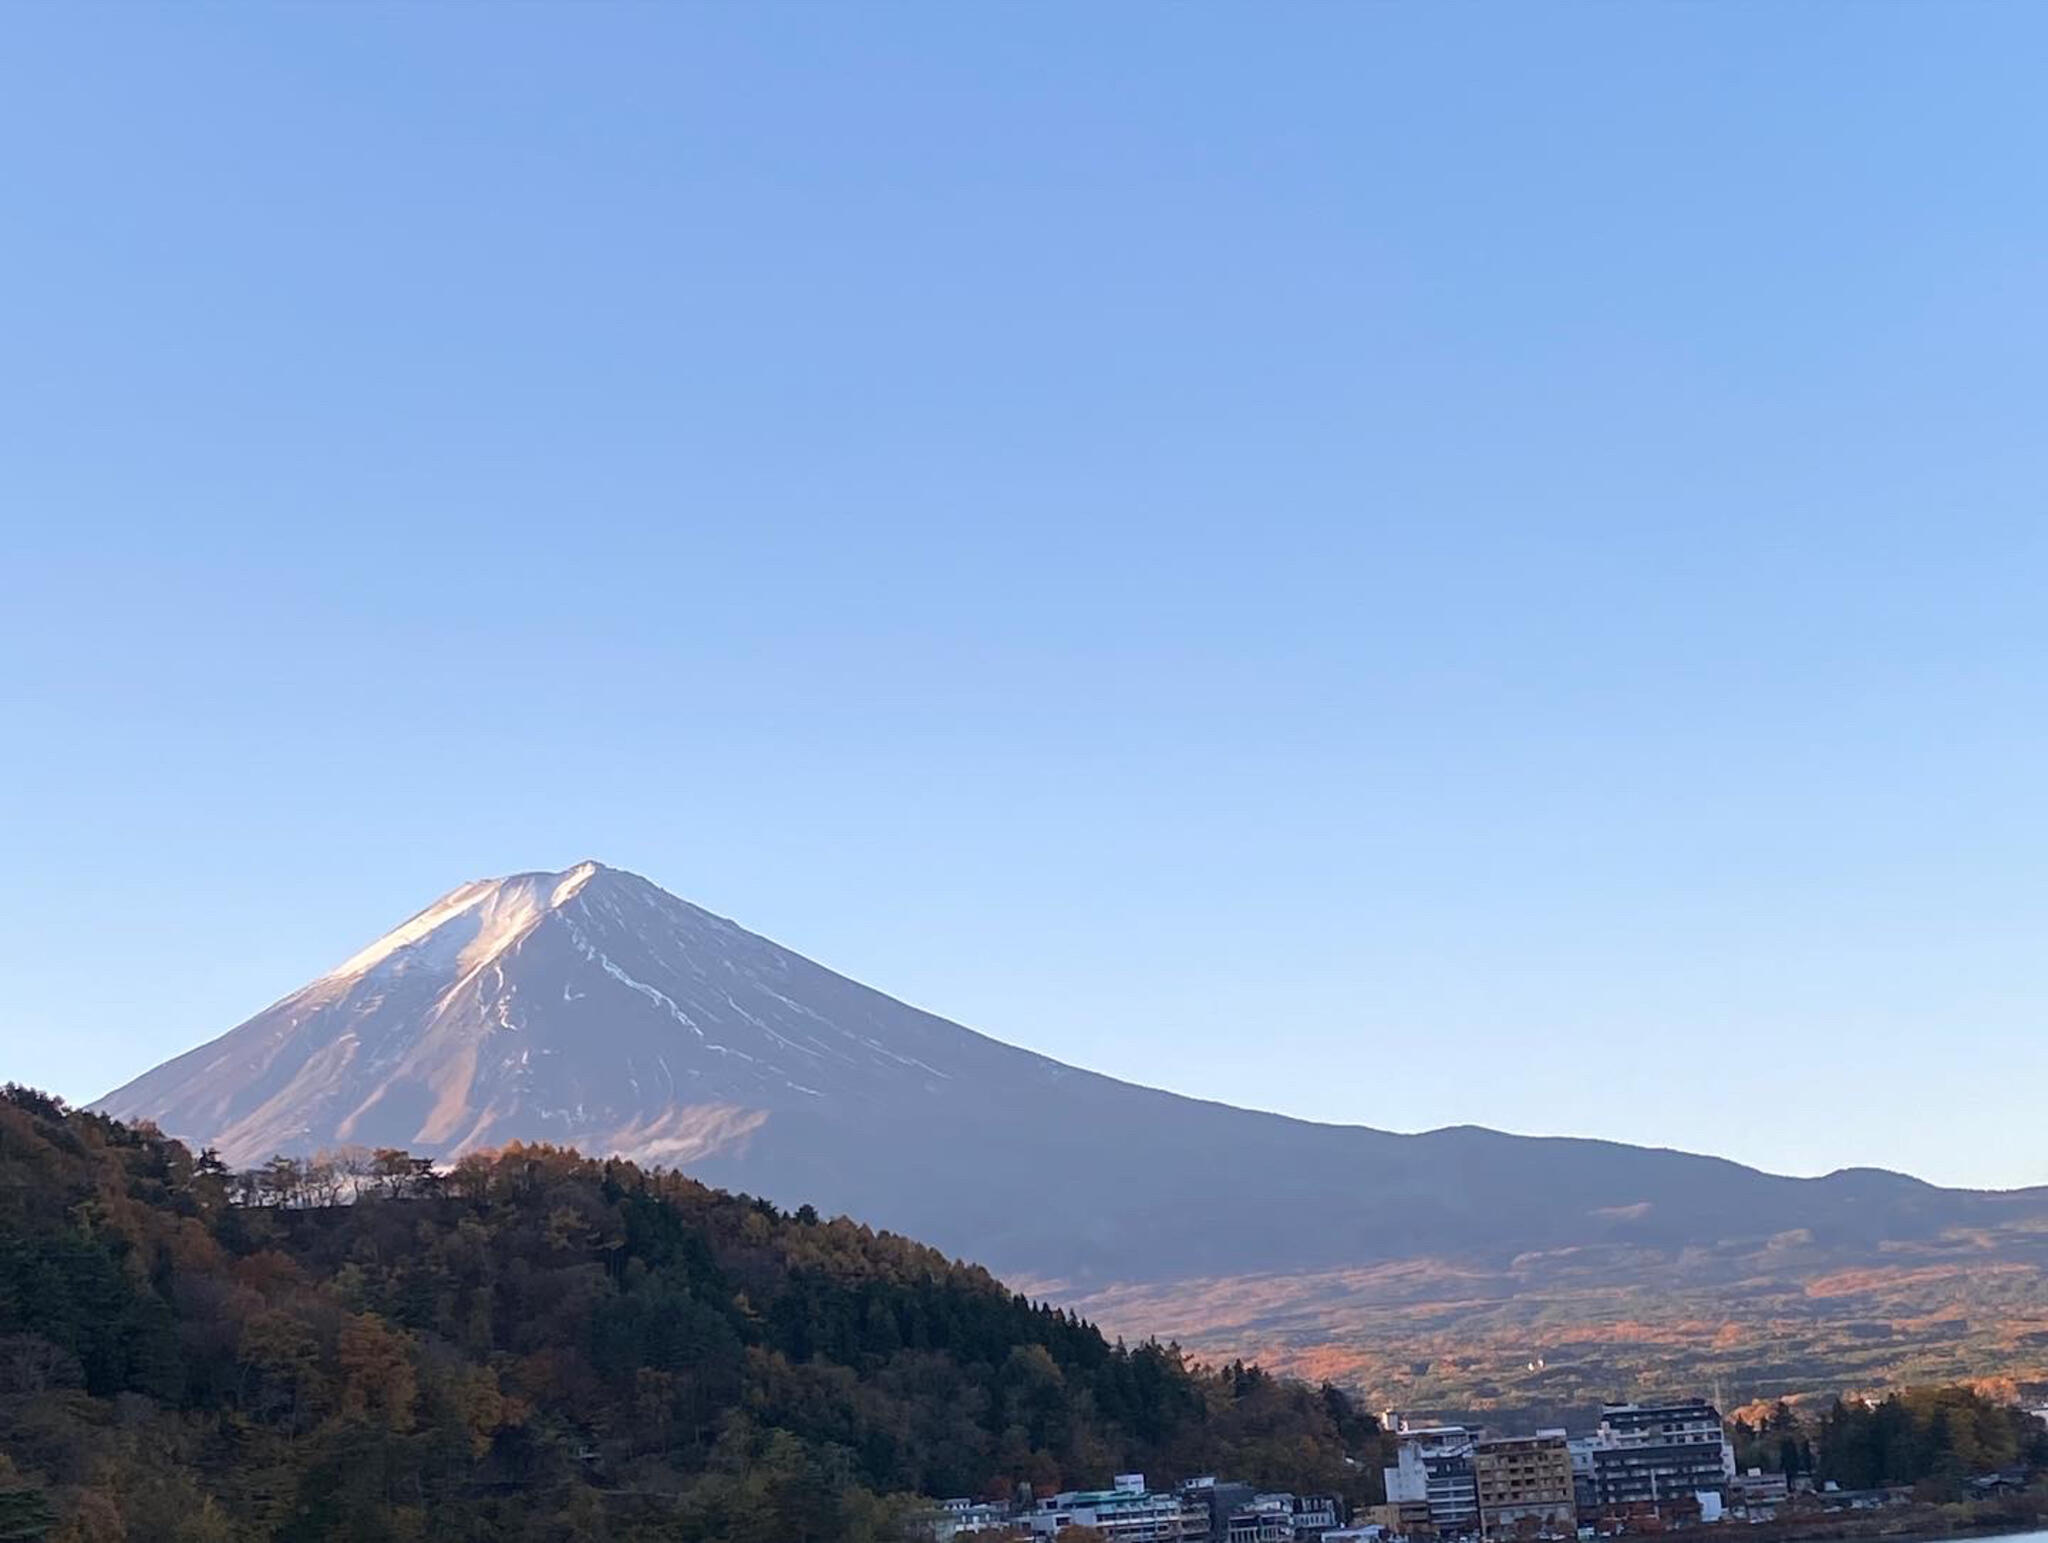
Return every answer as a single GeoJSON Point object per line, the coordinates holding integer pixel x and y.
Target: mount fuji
{"type": "Point", "coordinates": [588, 1008]}
{"type": "Point", "coordinates": [591, 1008]}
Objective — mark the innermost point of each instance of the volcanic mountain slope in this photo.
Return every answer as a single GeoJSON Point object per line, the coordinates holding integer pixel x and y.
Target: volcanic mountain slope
{"type": "Point", "coordinates": [593, 1009]}
{"type": "Point", "coordinates": [588, 1008]}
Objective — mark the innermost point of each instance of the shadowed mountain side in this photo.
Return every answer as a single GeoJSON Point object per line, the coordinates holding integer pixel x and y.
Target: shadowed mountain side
{"type": "Point", "coordinates": [1116, 1183]}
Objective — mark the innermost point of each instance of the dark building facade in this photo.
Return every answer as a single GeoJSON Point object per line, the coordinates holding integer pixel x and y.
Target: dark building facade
{"type": "Point", "coordinates": [1660, 1454]}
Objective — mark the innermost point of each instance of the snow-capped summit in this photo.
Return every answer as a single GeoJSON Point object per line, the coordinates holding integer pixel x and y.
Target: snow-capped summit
{"type": "Point", "coordinates": [476, 919]}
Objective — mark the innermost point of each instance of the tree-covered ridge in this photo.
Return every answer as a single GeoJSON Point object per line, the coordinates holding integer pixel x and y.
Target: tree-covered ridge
{"type": "Point", "coordinates": [540, 1345]}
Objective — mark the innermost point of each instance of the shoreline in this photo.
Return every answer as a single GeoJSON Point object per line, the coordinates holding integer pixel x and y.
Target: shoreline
{"type": "Point", "coordinates": [1915, 1523]}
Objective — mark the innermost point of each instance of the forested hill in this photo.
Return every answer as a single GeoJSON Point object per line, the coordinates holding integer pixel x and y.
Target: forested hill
{"type": "Point", "coordinates": [537, 1345]}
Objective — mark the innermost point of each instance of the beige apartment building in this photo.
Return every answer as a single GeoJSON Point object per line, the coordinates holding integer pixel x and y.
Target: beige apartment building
{"type": "Point", "coordinates": [1524, 1486]}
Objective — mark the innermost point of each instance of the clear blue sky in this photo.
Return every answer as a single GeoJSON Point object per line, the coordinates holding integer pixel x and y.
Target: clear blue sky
{"type": "Point", "coordinates": [1399, 564]}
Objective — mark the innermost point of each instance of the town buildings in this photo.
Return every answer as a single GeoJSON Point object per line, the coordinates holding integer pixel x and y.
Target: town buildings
{"type": "Point", "coordinates": [1670, 1460]}
{"type": "Point", "coordinates": [1200, 1510]}
{"type": "Point", "coordinates": [1451, 1480]}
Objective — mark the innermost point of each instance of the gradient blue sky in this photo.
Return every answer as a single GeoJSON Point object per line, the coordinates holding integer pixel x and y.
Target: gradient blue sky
{"type": "Point", "coordinates": [1403, 565]}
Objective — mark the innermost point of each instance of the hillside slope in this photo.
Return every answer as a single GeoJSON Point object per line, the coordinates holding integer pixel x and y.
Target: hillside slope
{"type": "Point", "coordinates": [543, 1346]}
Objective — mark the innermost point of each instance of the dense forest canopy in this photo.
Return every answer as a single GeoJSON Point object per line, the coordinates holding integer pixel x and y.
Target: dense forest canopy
{"type": "Point", "coordinates": [1931, 1438]}
{"type": "Point", "coordinates": [539, 1345]}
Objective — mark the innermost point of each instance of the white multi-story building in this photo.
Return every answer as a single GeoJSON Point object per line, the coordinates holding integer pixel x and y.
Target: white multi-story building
{"type": "Point", "coordinates": [1128, 1513]}
{"type": "Point", "coordinates": [1434, 1464]}
{"type": "Point", "coordinates": [966, 1518]}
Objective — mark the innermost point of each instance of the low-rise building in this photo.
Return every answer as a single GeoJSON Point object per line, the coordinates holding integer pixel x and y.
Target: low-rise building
{"type": "Point", "coordinates": [1127, 1513]}
{"type": "Point", "coordinates": [1404, 1519]}
{"type": "Point", "coordinates": [1265, 1519]}
{"type": "Point", "coordinates": [1214, 1500]}
{"type": "Point", "coordinates": [1760, 1493]}
{"type": "Point", "coordinates": [970, 1519]}
{"type": "Point", "coordinates": [1316, 1517]}
{"type": "Point", "coordinates": [1281, 1517]}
